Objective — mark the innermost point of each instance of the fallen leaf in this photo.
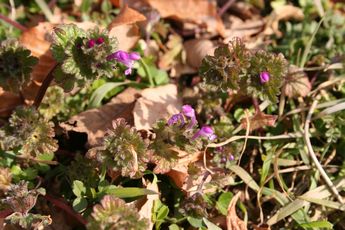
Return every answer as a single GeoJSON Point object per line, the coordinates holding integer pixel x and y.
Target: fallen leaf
{"type": "Point", "coordinates": [125, 29]}
{"type": "Point", "coordinates": [285, 12]}
{"type": "Point", "coordinates": [232, 220]}
{"type": "Point", "coordinates": [156, 103]}
{"type": "Point", "coordinates": [296, 83]}
{"type": "Point", "coordinates": [201, 12]}
{"type": "Point", "coordinates": [8, 102]}
{"type": "Point", "coordinates": [146, 210]}
{"type": "Point", "coordinates": [243, 29]}
{"type": "Point", "coordinates": [175, 48]}
{"type": "Point", "coordinates": [95, 122]}
{"type": "Point", "coordinates": [259, 120]}
{"type": "Point", "coordinates": [196, 50]}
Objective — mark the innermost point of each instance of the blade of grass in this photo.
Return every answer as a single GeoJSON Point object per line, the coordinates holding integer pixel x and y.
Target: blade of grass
{"type": "Point", "coordinates": [45, 9]}
{"type": "Point", "coordinates": [308, 46]}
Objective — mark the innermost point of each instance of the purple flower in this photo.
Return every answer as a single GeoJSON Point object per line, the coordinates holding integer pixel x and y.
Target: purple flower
{"type": "Point", "coordinates": [264, 77]}
{"type": "Point", "coordinates": [125, 58]}
{"type": "Point", "coordinates": [99, 40]}
{"type": "Point", "coordinates": [91, 43]}
{"type": "Point", "coordinates": [175, 119]}
{"type": "Point", "coordinates": [188, 111]}
{"type": "Point", "coordinates": [205, 131]}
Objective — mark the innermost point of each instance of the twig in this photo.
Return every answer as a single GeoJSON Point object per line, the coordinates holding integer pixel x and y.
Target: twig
{"type": "Point", "coordinates": [44, 87]}
{"type": "Point", "coordinates": [225, 7]}
{"type": "Point", "coordinates": [13, 23]}
{"type": "Point", "coordinates": [235, 138]}
{"type": "Point", "coordinates": [313, 156]}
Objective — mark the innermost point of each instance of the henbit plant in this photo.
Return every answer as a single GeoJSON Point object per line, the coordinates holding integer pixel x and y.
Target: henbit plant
{"type": "Point", "coordinates": [114, 213]}
{"type": "Point", "coordinates": [22, 200]}
{"type": "Point", "coordinates": [28, 133]}
{"type": "Point", "coordinates": [16, 64]}
{"type": "Point", "coordinates": [258, 74]}
{"type": "Point", "coordinates": [122, 150]}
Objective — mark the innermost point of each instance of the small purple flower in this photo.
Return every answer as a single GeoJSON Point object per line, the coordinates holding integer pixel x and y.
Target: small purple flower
{"type": "Point", "coordinates": [175, 119]}
{"type": "Point", "coordinates": [91, 43]}
{"type": "Point", "coordinates": [99, 40]}
{"type": "Point", "coordinates": [125, 58]}
{"type": "Point", "coordinates": [231, 157]}
{"type": "Point", "coordinates": [264, 77]}
{"type": "Point", "coordinates": [205, 131]}
{"type": "Point", "coordinates": [188, 111]}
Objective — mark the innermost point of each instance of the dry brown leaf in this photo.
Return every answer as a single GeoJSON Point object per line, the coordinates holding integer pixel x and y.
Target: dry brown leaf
{"type": "Point", "coordinates": [8, 101]}
{"type": "Point", "coordinates": [286, 12]}
{"type": "Point", "coordinates": [201, 12]}
{"type": "Point", "coordinates": [169, 58]}
{"type": "Point", "coordinates": [179, 174]}
{"type": "Point", "coordinates": [156, 103]}
{"type": "Point", "coordinates": [259, 120]}
{"type": "Point", "coordinates": [297, 83]}
{"type": "Point", "coordinates": [196, 50]}
{"type": "Point", "coordinates": [96, 122]}
{"type": "Point", "coordinates": [232, 220]}
{"type": "Point", "coordinates": [243, 29]}
{"type": "Point", "coordinates": [146, 210]}
{"type": "Point", "coordinates": [38, 41]}
{"type": "Point", "coordinates": [124, 27]}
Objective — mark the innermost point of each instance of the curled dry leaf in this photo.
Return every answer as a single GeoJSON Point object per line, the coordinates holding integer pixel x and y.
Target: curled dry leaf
{"type": "Point", "coordinates": [201, 12]}
{"type": "Point", "coordinates": [297, 83]}
{"type": "Point", "coordinates": [156, 103]}
{"type": "Point", "coordinates": [233, 222]}
{"type": "Point", "coordinates": [196, 50]}
{"type": "Point", "coordinates": [146, 210]}
{"type": "Point", "coordinates": [285, 12]}
{"type": "Point", "coordinates": [96, 122]}
{"type": "Point", "coordinates": [259, 120]}
{"type": "Point", "coordinates": [125, 29]}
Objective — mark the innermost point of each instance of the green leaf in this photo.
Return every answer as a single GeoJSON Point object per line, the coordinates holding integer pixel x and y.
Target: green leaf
{"type": "Point", "coordinates": [244, 175]}
{"type": "Point", "coordinates": [210, 225]}
{"type": "Point", "coordinates": [174, 227]}
{"type": "Point", "coordinates": [317, 224]}
{"type": "Point", "coordinates": [128, 192]}
{"type": "Point", "coordinates": [195, 222]}
{"type": "Point", "coordinates": [78, 188]}
{"type": "Point", "coordinates": [223, 202]}
{"type": "Point", "coordinates": [79, 204]}
{"type": "Point", "coordinates": [162, 212]}
{"type": "Point", "coordinates": [98, 95]}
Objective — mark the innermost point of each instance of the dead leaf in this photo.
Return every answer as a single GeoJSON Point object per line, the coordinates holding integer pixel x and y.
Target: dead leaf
{"type": "Point", "coordinates": [259, 120]}
{"type": "Point", "coordinates": [297, 83]}
{"type": "Point", "coordinates": [175, 48]}
{"type": "Point", "coordinates": [201, 12]}
{"type": "Point", "coordinates": [232, 220]}
{"type": "Point", "coordinates": [146, 210]}
{"type": "Point", "coordinates": [196, 50]}
{"type": "Point", "coordinates": [8, 101]}
{"type": "Point", "coordinates": [156, 103]}
{"type": "Point", "coordinates": [124, 27]}
{"type": "Point", "coordinates": [243, 29]}
{"type": "Point", "coordinates": [285, 12]}
{"type": "Point", "coordinates": [96, 122]}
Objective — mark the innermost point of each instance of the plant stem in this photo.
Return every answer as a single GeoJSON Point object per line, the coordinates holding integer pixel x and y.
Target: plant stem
{"type": "Point", "coordinates": [148, 73]}
{"type": "Point", "coordinates": [225, 7]}
{"type": "Point", "coordinates": [13, 23]}
{"type": "Point", "coordinates": [62, 205]}
{"type": "Point", "coordinates": [43, 89]}
{"type": "Point", "coordinates": [313, 156]}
